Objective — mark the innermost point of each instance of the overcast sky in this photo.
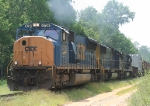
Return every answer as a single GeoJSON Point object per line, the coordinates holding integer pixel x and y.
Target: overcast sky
{"type": "Point", "coordinates": [137, 30]}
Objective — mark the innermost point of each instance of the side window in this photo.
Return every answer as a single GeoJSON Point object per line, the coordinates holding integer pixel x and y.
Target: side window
{"type": "Point", "coordinates": [64, 38]}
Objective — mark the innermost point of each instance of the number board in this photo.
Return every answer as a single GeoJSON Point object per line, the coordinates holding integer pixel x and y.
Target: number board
{"type": "Point", "coordinates": [43, 25]}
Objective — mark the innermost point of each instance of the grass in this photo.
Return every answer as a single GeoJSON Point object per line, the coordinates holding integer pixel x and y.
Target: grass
{"type": "Point", "coordinates": [142, 96]}
{"type": "Point", "coordinates": [37, 98]}
{"type": "Point", "coordinates": [49, 98]}
{"type": "Point", "coordinates": [2, 82]}
{"type": "Point", "coordinates": [126, 90]}
{"type": "Point", "coordinates": [4, 89]}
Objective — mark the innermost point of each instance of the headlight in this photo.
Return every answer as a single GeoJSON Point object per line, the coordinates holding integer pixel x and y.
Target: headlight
{"type": "Point", "coordinates": [36, 24]}
{"type": "Point", "coordinates": [40, 63]}
{"type": "Point", "coordinates": [15, 62]}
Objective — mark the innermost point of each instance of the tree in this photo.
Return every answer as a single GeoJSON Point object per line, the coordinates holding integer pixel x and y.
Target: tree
{"type": "Point", "coordinates": [88, 23]}
{"type": "Point", "coordinates": [145, 53]}
{"type": "Point", "coordinates": [116, 13]}
{"type": "Point", "coordinates": [78, 28]}
{"type": "Point", "coordinates": [89, 14]}
{"type": "Point", "coordinates": [5, 39]}
{"type": "Point", "coordinates": [114, 38]}
{"type": "Point", "coordinates": [136, 44]}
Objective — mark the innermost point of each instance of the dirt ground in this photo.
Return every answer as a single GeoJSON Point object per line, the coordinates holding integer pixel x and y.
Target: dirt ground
{"type": "Point", "coordinates": [106, 99]}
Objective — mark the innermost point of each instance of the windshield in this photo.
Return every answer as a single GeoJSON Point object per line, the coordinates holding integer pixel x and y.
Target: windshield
{"type": "Point", "coordinates": [54, 34]}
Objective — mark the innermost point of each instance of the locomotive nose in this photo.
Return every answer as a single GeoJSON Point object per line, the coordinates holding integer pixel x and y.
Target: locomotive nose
{"type": "Point", "coordinates": [33, 51]}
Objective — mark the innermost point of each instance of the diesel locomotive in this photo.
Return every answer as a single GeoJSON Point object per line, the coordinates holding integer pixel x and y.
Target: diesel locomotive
{"type": "Point", "coordinates": [50, 56]}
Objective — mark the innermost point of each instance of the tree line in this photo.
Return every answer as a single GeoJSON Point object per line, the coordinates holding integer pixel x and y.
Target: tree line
{"type": "Point", "coordinates": [103, 27]}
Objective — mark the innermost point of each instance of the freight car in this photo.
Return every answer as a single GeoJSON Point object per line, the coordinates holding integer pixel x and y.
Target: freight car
{"type": "Point", "coordinates": [50, 56]}
{"type": "Point", "coordinates": [145, 66]}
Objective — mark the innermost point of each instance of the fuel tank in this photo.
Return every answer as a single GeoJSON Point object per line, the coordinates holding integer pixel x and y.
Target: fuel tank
{"type": "Point", "coordinates": [76, 79]}
{"type": "Point", "coordinates": [33, 51]}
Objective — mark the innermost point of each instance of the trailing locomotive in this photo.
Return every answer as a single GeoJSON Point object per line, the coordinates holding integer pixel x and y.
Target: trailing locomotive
{"type": "Point", "coordinates": [50, 56]}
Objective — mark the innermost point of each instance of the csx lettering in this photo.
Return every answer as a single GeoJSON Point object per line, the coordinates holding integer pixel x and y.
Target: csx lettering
{"type": "Point", "coordinates": [30, 48]}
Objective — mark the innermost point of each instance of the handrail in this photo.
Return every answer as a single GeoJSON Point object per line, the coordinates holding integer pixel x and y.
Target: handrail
{"type": "Point", "coordinates": [10, 63]}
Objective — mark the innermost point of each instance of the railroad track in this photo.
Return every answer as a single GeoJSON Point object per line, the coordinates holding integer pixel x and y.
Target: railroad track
{"type": "Point", "coordinates": [10, 96]}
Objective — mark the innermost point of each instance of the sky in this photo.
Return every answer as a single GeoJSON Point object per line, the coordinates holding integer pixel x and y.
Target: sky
{"type": "Point", "coordinates": [138, 29]}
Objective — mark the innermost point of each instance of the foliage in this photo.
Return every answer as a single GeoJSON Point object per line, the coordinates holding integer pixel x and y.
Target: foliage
{"type": "Point", "coordinates": [142, 94]}
{"type": "Point", "coordinates": [116, 13]}
{"type": "Point", "coordinates": [145, 53]}
{"type": "Point", "coordinates": [5, 38]}
{"type": "Point", "coordinates": [2, 82]}
{"type": "Point", "coordinates": [88, 21]}
{"type": "Point", "coordinates": [89, 14]}
{"type": "Point", "coordinates": [77, 27]}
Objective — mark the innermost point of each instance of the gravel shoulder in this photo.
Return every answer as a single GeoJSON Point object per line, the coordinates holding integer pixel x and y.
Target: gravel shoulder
{"type": "Point", "coordinates": [106, 99]}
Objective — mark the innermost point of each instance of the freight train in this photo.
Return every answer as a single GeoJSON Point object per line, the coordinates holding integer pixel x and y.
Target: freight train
{"type": "Point", "coordinates": [50, 56]}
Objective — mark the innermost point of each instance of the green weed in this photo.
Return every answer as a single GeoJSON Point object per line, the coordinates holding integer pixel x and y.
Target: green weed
{"type": "Point", "coordinates": [37, 98]}
{"type": "Point", "coordinates": [2, 82]}
{"type": "Point", "coordinates": [5, 90]}
{"type": "Point", "coordinates": [142, 96]}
